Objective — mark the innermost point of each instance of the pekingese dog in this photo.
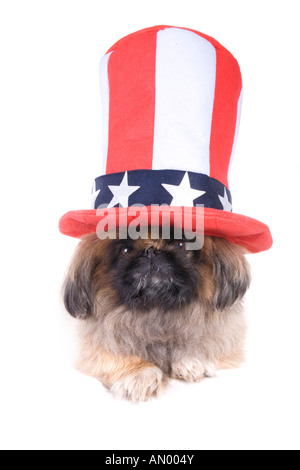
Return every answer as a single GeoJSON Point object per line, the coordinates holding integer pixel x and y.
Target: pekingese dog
{"type": "Point", "coordinates": [151, 310]}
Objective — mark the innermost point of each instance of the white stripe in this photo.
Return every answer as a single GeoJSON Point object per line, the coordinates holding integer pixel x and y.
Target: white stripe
{"type": "Point", "coordinates": [237, 127]}
{"type": "Point", "coordinates": [185, 88]}
{"type": "Point", "coordinates": [104, 89]}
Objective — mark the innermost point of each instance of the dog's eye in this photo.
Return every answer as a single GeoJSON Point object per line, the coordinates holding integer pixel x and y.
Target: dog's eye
{"type": "Point", "coordinates": [125, 251]}
{"type": "Point", "coordinates": [181, 245]}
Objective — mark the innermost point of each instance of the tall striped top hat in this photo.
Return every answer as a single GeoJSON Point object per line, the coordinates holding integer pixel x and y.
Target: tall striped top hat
{"type": "Point", "coordinates": [171, 100]}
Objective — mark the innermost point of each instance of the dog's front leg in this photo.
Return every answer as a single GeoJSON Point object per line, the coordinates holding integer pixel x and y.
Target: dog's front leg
{"type": "Point", "coordinates": [127, 377]}
{"type": "Point", "coordinates": [193, 369]}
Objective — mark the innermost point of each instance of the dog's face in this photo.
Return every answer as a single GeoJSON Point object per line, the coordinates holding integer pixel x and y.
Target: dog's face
{"type": "Point", "coordinates": [149, 274]}
{"type": "Point", "coordinates": [146, 275]}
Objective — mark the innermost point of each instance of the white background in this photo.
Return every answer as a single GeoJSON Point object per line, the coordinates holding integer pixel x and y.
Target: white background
{"type": "Point", "coordinates": [50, 125]}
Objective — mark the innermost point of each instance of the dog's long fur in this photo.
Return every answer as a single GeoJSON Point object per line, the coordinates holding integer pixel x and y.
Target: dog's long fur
{"type": "Point", "coordinates": [136, 334]}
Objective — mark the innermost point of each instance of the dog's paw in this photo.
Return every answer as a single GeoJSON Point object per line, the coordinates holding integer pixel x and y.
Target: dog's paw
{"type": "Point", "coordinates": [140, 385]}
{"type": "Point", "coordinates": [193, 370]}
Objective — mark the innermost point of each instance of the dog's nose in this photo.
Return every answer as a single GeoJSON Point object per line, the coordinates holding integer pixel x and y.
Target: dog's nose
{"type": "Point", "coordinates": [150, 252]}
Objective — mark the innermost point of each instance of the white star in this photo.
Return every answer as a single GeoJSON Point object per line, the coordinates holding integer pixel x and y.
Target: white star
{"type": "Point", "coordinates": [94, 195]}
{"type": "Point", "coordinates": [122, 192]}
{"type": "Point", "coordinates": [227, 206]}
{"type": "Point", "coordinates": [183, 195]}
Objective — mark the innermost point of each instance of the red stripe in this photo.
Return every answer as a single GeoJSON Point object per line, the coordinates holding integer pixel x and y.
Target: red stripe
{"type": "Point", "coordinates": [131, 73]}
{"type": "Point", "coordinates": [227, 93]}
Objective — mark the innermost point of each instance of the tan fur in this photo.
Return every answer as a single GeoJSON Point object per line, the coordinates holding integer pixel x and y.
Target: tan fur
{"type": "Point", "coordinates": [233, 360]}
{"type": "Point", "coordinates": [197, 340]}
{"type": "Point", "coordinates": [221, 346]}
{"type": "Point", "coordinates": [128, 377]}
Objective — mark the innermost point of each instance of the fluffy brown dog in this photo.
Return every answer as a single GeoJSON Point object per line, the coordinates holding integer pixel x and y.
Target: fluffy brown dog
{"type": "Point", "coordinates": [150, 310]}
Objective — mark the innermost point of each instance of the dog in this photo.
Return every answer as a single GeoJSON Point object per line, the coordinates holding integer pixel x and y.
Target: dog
{"type": "Point", "coordinates": [151, 310]}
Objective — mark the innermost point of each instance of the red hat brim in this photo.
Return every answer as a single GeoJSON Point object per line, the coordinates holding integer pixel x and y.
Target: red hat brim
{"type": "Point", "coordinates": [241, 230]}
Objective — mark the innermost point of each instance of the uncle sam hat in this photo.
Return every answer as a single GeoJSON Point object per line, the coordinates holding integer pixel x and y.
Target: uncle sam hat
{"type": "Point", "coordinates": [171, 103]}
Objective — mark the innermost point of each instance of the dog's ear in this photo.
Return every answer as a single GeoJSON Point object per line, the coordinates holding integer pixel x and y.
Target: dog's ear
{"type": "Point", "coordinates": [78, 286]}
{"type": "Point", "coordinates": [231, 273]}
